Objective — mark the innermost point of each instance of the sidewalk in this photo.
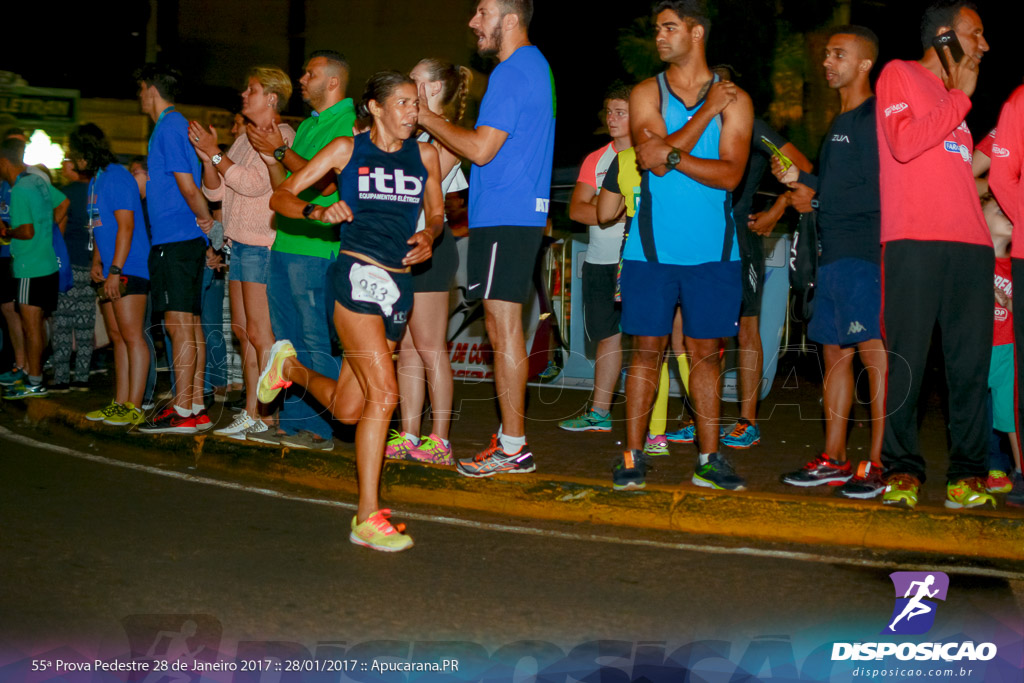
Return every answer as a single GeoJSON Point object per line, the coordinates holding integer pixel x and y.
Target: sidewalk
{"type": "Point", "coordinates": [573, 478]}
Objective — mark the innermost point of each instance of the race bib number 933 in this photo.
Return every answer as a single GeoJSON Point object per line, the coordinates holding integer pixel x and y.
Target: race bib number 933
{"type": "Point", "coordinates": [374, 285]}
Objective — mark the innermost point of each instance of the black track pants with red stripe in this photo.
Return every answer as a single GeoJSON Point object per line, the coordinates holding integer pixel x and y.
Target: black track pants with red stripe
{"type": "Point", "coordinates": [1017, 274]}
{"type": "Point", "coordinates": [949, 283]}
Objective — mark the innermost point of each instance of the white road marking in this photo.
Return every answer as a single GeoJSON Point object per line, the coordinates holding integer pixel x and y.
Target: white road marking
{"type": "Point", "coordinates": [523, 530]}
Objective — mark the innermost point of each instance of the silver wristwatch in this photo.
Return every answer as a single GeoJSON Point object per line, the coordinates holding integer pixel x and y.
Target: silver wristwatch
{"type": "Point", "coordinates": [217, 158]}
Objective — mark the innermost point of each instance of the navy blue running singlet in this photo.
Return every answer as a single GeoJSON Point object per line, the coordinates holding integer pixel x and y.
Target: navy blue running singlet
{"type": "Point", "coordinates": [384, 191]}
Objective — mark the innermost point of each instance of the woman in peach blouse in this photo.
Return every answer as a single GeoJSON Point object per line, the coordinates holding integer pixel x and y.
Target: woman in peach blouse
{"type": "Point", "coordinates": [244, 180]}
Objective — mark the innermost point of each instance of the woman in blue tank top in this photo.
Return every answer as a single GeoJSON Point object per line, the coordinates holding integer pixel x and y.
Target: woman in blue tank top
{"type": "Point", "coordinates": [384, 177]}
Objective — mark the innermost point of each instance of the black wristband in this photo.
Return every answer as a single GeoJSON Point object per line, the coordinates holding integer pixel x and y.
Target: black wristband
{"type": "Point", "coordinates": [308, 211]}
{"type": "Point", "coordinates": [115, 270]}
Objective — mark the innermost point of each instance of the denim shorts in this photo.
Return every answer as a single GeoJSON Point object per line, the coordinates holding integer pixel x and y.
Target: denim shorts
{"type": "Point", "coordinates": [249, 263]}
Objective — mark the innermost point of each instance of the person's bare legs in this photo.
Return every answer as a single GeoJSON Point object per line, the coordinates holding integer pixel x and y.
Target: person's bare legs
{"type": "Point", "coordinates": [181, 329]}
{"type": "Point", "coordinates": [15, 332]}
{"type": "Point", "coordinates": [704, 390]}
{"type": "Point", "coordinates": [641, 386]}
{"type": "Point", "coordinates": [606, 371]}
{"type": "Point", "coordinates": [122, 383]}
{"type": "Point", "coordinates": [412, 382]}
{"type": "Point", "coordinates": [838, 397]}
{"type": "Point", "coordinates": [429, 324]}
{"type": "Point", "coordinates": [750, 367]}
{"type": "Point", "coordinates": [366, 393]}
{"type": "Point", "coordinates": [504, 322]}
{"type": "Point", "coordinates": [250, 365]}
{"type": "Point", "coordinates": [876, 363]}
{"type": "Point", "coordinates": [35, 336]}
{"type": "Point", "coordinates": [259, 334]}
{"type": "Point", "coordinates": [198, 381]}
{"type": "Point", "coordinates": [129, 313]}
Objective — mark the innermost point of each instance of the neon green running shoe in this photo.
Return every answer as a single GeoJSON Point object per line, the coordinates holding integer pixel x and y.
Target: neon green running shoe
{"type": "Point", "coordinates": [272, 379]}
{"type": "Point", "coordinates": [901, 491]}
{"type": "Point", "coordinates": [998, 482]}
{"type": "Point", "coordinates": [968, 493]}
{"type": "Point", "coordinates": [103, 413]}
{"type": "Point", "coordinates": [378, 533]}
{"type": "Point", "coordinates": [399, 446]}
{"type": "Point", "coordinates": [128, 416]}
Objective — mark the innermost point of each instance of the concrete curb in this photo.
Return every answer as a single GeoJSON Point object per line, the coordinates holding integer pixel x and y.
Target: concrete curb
{"type": "Point", "coordinates": [769, 517]}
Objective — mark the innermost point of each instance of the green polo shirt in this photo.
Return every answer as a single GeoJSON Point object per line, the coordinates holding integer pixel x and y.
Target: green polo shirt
{"type": "Point", "coordinates": [301, 236]}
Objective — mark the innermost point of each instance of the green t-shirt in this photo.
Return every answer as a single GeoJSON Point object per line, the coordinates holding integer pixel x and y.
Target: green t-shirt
{"type": "Point", "coordinates": [306, 237]}
{"type": "Point", "coordinates": [32, 201]}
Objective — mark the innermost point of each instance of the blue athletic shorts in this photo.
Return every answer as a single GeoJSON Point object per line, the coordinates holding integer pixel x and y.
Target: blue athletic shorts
{"type": "Point", "coordinates": [847, 303]}
{"type": "Point", "coordinates": [709, 295]}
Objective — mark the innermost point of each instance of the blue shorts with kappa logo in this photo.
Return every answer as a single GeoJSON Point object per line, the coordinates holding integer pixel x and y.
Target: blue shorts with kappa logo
{"type": "Point", "coordinates": [847, 303]}
{"type": "Point", "coordinates": [709, 295]}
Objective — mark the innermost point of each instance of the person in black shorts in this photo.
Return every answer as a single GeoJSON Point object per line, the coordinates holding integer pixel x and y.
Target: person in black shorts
{"type": "Point", "coordinates": [745, 432]}
{"type": "Point", "coordinates": [120, 250]}
{"type": "Point", "coordinates": [384, 177]}
{"type": "Point", "coordinates": [423, 363]}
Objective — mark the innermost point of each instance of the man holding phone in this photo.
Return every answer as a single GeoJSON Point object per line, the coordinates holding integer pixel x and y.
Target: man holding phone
{"type": "Point", "coordinates": [937, 258]}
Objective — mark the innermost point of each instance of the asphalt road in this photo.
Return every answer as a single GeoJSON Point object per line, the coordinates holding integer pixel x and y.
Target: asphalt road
{"type": "Point", "coordinates": [98, 559]}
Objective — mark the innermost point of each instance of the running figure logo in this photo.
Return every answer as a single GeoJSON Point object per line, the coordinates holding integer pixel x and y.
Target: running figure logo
{"type": "Point", "coordinates": [914, 612]}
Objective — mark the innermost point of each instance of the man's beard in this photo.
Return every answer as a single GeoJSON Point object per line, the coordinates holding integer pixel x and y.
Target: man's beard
{"type": "Point", "coordinates": [494, 41]}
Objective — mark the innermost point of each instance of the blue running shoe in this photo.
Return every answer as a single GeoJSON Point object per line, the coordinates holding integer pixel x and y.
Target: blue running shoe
{"type": "Point", "coordinates": [685, 435]}
{"type": "Point", "coordinates": [629, 471]}
{"type": "Point", "coordinates": [742, 435]}
{"type": "Point", "coordinates": [9, 379]}
{"type": "Point", "coordinates": [718, 474]}
{"type": "Point", "coordinates": [590, 421]}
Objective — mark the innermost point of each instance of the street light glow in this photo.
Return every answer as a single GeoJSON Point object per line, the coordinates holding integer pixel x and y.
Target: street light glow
{"type": "Point", "coordinates": [41, 150]}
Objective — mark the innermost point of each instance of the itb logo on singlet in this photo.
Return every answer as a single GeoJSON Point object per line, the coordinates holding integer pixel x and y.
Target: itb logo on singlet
{"type": "Point", "coordinates": [389, 187]}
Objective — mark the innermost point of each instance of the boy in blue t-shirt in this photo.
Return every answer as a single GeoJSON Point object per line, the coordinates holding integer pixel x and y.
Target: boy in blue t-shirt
{"type": "Point", "coordinates": [179, 218]}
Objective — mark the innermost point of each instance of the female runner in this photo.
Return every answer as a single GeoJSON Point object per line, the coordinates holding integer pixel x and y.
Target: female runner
{"type": "Point", "coordinates": [384, 176]}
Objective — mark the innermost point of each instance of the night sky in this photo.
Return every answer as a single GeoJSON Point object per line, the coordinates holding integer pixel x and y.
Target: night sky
{"type": "Point", "coordinates": [96, 52]}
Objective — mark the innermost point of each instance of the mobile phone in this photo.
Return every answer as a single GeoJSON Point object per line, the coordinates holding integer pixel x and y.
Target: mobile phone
{"type": "Point", "coordinates": [948, 39]}
{"type": "Point", "coordinates": [777, 153]}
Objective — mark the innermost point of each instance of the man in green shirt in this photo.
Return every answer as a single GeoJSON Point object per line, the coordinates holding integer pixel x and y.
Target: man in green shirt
{"type": "Point", "coordinates": [296, 291]}
{"type": "Point", "coordinates": [34, 261]}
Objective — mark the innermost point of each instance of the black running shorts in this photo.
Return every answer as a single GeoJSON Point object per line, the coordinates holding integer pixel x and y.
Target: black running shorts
{"type": "Point", "coordinates": [501, 262]}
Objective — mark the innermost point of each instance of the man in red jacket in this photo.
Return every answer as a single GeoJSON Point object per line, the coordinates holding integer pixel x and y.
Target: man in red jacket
{"type": "Point", "coordinates": [937, 258]}
{"type": "Point", "coordinates": [1006, 179]}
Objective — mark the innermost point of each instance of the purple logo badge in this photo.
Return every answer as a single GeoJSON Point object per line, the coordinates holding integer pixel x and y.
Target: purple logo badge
{"type": "Point", "coordinates": [914, 612]}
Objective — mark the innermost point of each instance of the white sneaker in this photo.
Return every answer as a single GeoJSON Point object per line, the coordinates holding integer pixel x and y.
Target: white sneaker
{"type": "Point", "coordinates": [258, 426]}
{"type": "Point", "coordinates": [238, 427]}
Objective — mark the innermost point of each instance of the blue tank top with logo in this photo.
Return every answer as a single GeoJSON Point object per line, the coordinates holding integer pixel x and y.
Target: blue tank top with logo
{"type": "Point", "coordinates": [384, 191]}
{"type": "Point", "coordinates": [680, 221]}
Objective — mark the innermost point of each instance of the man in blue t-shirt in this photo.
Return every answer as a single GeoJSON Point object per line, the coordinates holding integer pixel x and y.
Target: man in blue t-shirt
{"type": "Point", "coordinates": [511, 148]}
{"type": "Point", "coordinates": [179, 218]}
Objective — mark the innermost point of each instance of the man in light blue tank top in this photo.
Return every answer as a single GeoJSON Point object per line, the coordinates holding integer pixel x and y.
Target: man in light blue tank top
{"type": "Point", "coordinates": [693, 133]}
